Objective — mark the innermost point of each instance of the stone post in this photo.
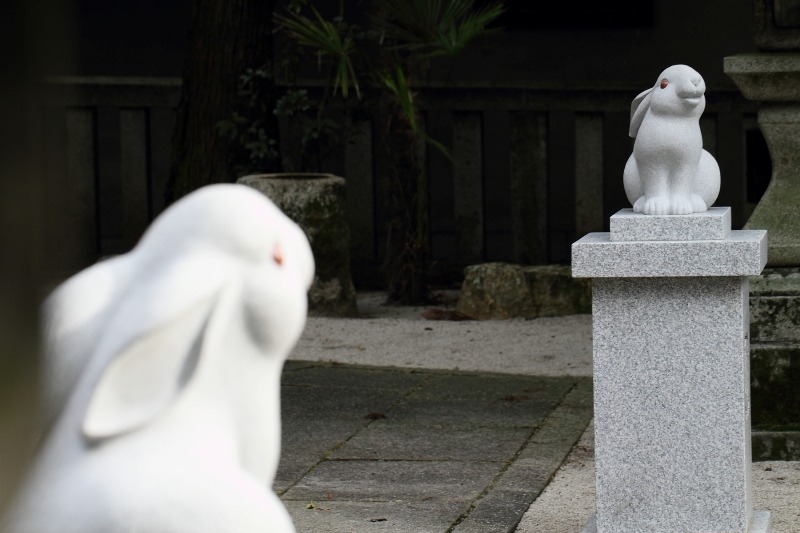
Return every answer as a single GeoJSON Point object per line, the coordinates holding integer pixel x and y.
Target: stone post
{"type": "Point", "coordinates": [774, 80]}
{"type": "Point", "coordinates": [772, 77]}
{"type": "Point", "coordinates": [671, 372]}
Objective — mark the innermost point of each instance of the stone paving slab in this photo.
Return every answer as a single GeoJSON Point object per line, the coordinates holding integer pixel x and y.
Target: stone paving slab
{"type": "Point", "coordinates": [441, 481]}
{"type": "Point", "coordinates": [381, 440]}
{"type": "Point", "coordinates": [361, 378]}
{"type": "Point", "coordinates": [360, 517]}
{"type": "Point", "coordinates": [470, 412]}
{"type": "Point", "coordinates": [493, 387]}
{"type": "Point", "coordinates": [429, 451]}
{"type": "Point", "coordinates": [533, 468]}
{"type": "Point", "coordinates": [335, 402]}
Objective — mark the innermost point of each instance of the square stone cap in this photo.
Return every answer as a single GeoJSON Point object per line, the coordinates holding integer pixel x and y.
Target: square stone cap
{"type": "Point", "coordinates": [714, 224]}
{"type": "Point", "coordinates": [767, 77]}
{"type": "Point", "coordinates": [743, 253]}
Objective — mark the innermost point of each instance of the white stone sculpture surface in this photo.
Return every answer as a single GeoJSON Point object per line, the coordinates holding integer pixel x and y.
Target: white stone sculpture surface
{"type": "Point", "coordinates": [669, 172]}
{"type": "Point", "coordinates": [165, 370]}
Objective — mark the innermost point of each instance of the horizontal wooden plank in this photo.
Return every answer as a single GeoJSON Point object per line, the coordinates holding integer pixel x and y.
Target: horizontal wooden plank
{"type": "Point", "coordinates": [561, 100]}
{"type": "Point", "coordinates": [118, 92]}
{"type": "Point", "coordinates": [521, 186]}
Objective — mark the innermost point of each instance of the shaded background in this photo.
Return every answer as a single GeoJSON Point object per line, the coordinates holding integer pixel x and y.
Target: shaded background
{"type": "Point", "coordinates": [535, 115]}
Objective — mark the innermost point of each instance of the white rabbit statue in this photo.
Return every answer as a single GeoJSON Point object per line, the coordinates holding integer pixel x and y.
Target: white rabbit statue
{"type": "Point", "coordinates": [669, 172]}
{"type": "Point", "coordinates": [167, 366]}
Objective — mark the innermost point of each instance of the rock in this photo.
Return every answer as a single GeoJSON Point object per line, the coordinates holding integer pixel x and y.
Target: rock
{"type": "Point", "coordinates": [316, 203]}
{"type": "Point", "coordinates": [502, 290]}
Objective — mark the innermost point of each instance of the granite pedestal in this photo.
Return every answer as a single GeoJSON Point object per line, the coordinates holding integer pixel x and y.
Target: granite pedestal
{"type": "Point", "coordinates": [671, 372]}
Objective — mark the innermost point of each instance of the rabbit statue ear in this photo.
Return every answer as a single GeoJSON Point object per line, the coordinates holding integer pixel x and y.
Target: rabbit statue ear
{"type": "Point", "coordinates": [639, 108]}
{"type": "Point", "coordinates": [149, 373]}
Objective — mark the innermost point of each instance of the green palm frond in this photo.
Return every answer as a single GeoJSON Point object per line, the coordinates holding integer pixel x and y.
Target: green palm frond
{"type": "Point", "coordinates": [326, 38]}
{"type": "Point", "coordinates": [434, 27]}
{"type": "Point", "coordinates": [397, 84]}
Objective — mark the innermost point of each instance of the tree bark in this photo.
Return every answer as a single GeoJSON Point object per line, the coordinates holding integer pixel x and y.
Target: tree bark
{"type": "Point", "coordinates": [406, 263]}
{"type": "Point", "coordinates": [225, 38]}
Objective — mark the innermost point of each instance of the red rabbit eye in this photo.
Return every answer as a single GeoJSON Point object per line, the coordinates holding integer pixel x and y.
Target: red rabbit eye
{"type": "Point", "coordinates": [664, 83]}
{"type": "Point", "coordinates": [277, 254]}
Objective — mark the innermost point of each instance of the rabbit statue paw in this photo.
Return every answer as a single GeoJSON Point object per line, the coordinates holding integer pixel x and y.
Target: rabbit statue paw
{"type": "Point", "coordinates": [669, 172]}
{"type": "Point", "coordinates": [164, 376]}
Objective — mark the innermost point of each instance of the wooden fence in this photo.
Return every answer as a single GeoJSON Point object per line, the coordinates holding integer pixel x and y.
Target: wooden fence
{"type": "Point", "coordinates": [532, 169]}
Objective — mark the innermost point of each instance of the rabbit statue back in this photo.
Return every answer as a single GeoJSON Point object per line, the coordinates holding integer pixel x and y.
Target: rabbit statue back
{"type": "Point", "coordinates": [669, 172]}
{"type": "Point", "coordinates": [171, 380]}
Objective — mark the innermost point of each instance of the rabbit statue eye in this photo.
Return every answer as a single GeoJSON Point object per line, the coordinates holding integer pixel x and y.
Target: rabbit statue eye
{"type": "Point", "coordinates": [664, 83]}
{"type": "Point", "coordinates": [277, 254]}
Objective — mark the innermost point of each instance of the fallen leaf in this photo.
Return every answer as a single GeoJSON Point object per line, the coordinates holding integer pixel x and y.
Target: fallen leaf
{"type": "Point", "coordinates": [444, 314]}
{"type": "Point", "coordinates": [512, 398]}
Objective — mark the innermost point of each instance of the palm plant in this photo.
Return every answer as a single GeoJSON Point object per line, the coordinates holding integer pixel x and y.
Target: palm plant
{"type": "Point", "coordinates": [407, 35]}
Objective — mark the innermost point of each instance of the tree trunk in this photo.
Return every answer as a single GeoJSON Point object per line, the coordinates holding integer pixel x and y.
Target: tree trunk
{"type": "Point", "coordinates": [406, 262]}
{"type": "Point", "coordinates": [225, 38]}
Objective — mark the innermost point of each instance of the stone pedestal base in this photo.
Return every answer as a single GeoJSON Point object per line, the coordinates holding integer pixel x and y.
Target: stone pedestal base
{"type": "Point", "coordinates": [761, 523]}
{"type": "Point", "coordinates": [671, 371]}
{"type": "Point", "coordinates": [775, 351]}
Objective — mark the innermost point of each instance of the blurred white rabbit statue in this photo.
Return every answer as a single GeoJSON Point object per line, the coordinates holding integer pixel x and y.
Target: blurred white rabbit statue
{"type": "Point", "coordinates": [166, 365]}
{"type": "Point", "coordinates": [669, 172]}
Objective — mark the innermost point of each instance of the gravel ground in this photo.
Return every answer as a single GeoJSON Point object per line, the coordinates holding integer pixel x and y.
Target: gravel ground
{"type": "Point", "coordinates": [403, 337]}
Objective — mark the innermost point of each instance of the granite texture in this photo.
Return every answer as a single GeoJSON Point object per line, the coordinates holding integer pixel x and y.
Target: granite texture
{"type": "Point", "coordinates": [777, 210]}
{"type": "Point", "coordinates": [714, 224]}
{"type": "Point", "coordinates": [775, 358]}
{"type": "Point", "coordinates": [775, 306]}
{"type": "Point", "coordinates": [776, 25]}
{"type": "Point", "coordinates": [761, 523]}
{"type": "Point", "coordinates": [744, 253]}
{"type": "Point", "coordinates": [765, 77]}
{"type": "Point", "coordinates": [774, 80]}
{"type": "Point", "coordinates": [672, 416]}
{"type": "Point", "coordinates": [672, 372]}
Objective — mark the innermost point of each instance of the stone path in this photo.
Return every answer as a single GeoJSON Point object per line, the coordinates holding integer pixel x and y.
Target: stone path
{"type": "Point", "coordinates": [423, 451]}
